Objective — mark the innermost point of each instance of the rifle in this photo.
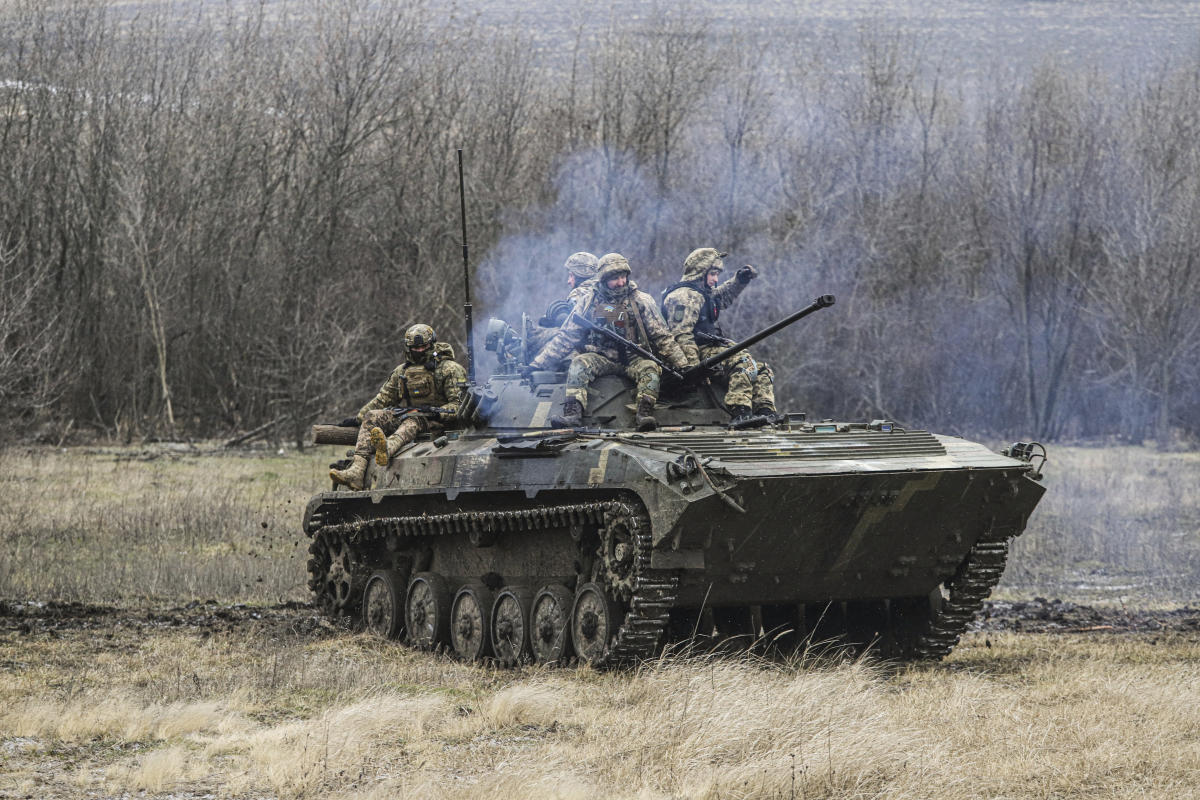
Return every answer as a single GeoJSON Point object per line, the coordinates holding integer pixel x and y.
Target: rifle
{"type": "Point", "coordinates": [619, 339]}
{"type": "Point", "coordinates": [824, 301]}
{"type": "Point", "coordinates": [709, 338]}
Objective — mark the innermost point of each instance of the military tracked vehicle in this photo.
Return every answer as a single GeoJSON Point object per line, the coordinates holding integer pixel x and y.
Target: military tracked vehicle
{"type": "Point", "coordinates": [512, 541]}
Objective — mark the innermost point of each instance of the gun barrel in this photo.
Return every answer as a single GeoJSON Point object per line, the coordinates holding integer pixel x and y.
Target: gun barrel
{"type": "Point", "coordinates": [824, 301]}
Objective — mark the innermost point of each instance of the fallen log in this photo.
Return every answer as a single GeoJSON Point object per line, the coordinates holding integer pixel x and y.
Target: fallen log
{"type": "Point", "coordinates": [259, 431]}
{"type": "Point", "coordinates": [334, 434]}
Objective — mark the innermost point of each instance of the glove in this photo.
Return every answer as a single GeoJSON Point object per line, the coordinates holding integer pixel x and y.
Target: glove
{"type": "Point", "coordinates": [746, 274]}
{"type": "Point", "coordinates": [526, 372]}
{"type": "Point", "coordinates": [349, 422]}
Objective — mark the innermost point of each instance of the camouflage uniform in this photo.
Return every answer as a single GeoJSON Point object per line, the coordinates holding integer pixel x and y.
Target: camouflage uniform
{"type": "Point", "coordinates": [691, 307]}
{"type": "Point", "coordinates": [582, 268]}
{"type": "Point", "coordinates": [628, 311]}
{"type": "Point", "coordinates": [430, 379]}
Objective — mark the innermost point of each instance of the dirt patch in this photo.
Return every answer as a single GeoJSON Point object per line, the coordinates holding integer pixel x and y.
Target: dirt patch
{"type": "Point", "coordinates": [298, 620]}
{"type": "Point", "coordinates": [1059, 616]}
{"type": "Point", "coordinates": [301, 620]}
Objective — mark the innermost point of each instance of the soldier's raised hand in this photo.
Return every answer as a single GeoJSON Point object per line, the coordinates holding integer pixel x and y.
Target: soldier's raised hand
{"type": "Point", "coordinates": [746, 274]}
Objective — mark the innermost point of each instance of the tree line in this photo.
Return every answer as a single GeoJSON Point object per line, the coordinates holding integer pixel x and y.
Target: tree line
{"type": "Point", "coordinates": [211, 221]}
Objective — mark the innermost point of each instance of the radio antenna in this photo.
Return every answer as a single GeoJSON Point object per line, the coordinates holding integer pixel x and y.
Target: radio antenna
{"type": "Point", "coordinates": [467, 311]}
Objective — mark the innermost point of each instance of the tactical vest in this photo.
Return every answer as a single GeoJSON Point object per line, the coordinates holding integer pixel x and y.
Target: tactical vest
{"type": "Point", "coordinates": [709, 313]}
{"type": "Point", "coordinates": [621, 316]}
{"type": "Point", "coordinates": [420, 388]}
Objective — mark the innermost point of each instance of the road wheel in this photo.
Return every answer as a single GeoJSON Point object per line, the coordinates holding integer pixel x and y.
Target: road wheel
{"type": "Point", "coordinates": [427, 611]}
{"type": "Point", "coordinates": [510, 625]}
{"type": "Point", "coordinates": [594, 623]}
{"type": "Point", "coordinates": [550, 626]}
{"type": "Point", "coordinates": [383, 604]}
{"type": "Point", "coordinates": [470, 622]}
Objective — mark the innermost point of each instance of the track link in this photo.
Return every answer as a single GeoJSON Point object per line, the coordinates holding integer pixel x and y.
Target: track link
{"type": "Point", "coordinates": [647, 609]}
{"type": "Point", "coordinates": [971, 585]}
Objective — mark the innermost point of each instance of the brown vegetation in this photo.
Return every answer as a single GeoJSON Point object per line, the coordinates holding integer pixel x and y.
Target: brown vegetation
{"type": "Point", "coordinates": [256, 711]}
{"type": "Point", "coordinates": [222, 221]}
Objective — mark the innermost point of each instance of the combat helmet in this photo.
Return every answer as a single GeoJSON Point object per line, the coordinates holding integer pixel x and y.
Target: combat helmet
{"type": "Point", "coordinates": [610, 266]}
{"type": "Point", "coordinates": [581, 265]}
{"type": "Point", "coordinates": [419, 336]}
{"type": "Point", "coordinates": [700, 261]}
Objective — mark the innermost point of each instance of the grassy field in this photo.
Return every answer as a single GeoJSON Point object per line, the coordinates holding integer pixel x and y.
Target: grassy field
{"type": "Point", "coordinates": [256, 712]}
{"type": "Point", "coordinates": [173, 524]}
{"type": "Point", "coordinates": [135, 701]}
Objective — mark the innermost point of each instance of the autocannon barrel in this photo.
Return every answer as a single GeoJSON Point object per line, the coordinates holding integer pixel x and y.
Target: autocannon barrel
{"type": "Point", "coordinates": [824, 301]}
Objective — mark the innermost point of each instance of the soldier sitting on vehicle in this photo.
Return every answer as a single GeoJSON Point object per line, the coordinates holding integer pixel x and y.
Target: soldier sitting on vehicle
{"type": "Point", "coordinates": [420, 396]}
{"type": "Point", "coordinates": [614, 302]}
{"type": "Point", "coordinates": [691, 308]}
{"type": "Point", "coordinates": [581, 272]}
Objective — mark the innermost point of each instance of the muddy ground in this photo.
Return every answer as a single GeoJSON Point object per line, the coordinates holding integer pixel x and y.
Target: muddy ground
{"type": "Point", "coordinates": [302, 621]}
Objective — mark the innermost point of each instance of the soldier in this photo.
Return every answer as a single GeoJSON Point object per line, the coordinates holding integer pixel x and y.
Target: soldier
{"type": "Point", "coordinates": [614, 302]}
{"type": "Point", "coordinates": [691, 308]}
{"type": "Point", "coordinates": [429, 378]}
{"type": "Point", "coordinates": [581, 272]}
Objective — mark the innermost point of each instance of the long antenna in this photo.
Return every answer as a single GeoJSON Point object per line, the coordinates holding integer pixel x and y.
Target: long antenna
{"type": "Point", "coordinates": [462, 202]}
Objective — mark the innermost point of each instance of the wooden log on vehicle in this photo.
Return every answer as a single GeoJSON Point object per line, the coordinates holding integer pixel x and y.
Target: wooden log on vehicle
{"type": "Point", "coordinates": [334, 434]}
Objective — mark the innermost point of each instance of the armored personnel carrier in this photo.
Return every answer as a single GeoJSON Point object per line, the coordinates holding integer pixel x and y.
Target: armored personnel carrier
{"type": "Point", "coordinates": [512, 541]}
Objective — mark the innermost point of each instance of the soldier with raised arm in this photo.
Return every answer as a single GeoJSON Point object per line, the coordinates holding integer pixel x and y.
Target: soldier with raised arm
{"type": "Point", "coordinates": [613, 302]}
{"type": "Point", "coordinates": [420, 396]}
{"type": "Point", "coordinates": [692, 307]}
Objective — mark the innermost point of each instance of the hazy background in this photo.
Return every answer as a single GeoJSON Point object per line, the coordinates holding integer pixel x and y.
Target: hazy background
{"type": "Point", "coordinates": [214, 217]}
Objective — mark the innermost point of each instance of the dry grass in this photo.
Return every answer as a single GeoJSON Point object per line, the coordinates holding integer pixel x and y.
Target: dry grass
{"type": "Point", "coordinates": [1117, 525]}
{"type": "Point", "coordinates": [155, 524]}
{"type": "Point", "coordinates": [350, 717]}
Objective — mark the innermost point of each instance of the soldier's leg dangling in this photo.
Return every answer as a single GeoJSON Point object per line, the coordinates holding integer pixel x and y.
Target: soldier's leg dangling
{"type": "Point", "coordinates": [741, 373]}
{"type": "Point", "coordinates": [647, 375]}
{"type": "Point", "coordinates": [764, 391]}
{"type": "Point", "coordinates": [585, 368]}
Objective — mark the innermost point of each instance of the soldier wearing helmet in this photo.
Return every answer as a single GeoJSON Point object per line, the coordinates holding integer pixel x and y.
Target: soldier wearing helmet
{"type": "Point", "coordinates": [581, 272]}
{"type": "Point", "coordinates": [429, 379]}
{"type": "Point", "coordinates": [692, 307]}
{"type": "Point", "coordinates": [613, 301]}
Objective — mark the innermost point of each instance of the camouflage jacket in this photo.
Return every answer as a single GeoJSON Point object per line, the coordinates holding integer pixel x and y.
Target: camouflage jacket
{"type": "Point", "coordinates": [439, 383]}
{"type": "Point", "coordinates": [682, 307]}
{"type": "Point", "coordinates": [648, 329]}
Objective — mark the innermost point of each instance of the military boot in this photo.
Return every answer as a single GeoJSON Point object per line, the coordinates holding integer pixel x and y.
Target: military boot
{"type": "Point", "coordinates": [645, 414]}
{"type": "Point", "coordinates": [766, 411]}
{"type": "Point", "coordinates": [571, 416]}
{"type": "Point", "coordinates": [739, 413]}
{"type": "Point", "coordinates": [352, 476]}
{"type": "Point", "coordinates": [379, 442]}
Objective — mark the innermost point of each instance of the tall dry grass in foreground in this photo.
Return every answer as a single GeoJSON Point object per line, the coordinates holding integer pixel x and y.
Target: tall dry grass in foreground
{"type": "Point", "coordinates": [174, 715]}
{"type": "Point", "coordinates": [134, 525]}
